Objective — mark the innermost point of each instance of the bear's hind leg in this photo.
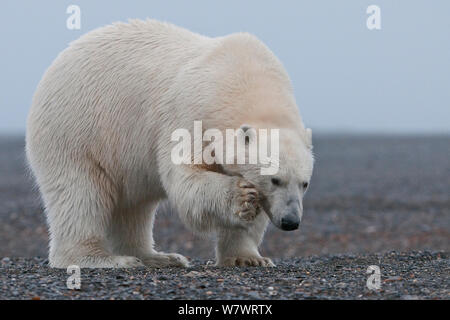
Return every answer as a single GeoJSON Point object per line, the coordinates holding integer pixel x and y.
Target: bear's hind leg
{"type": "Point", "coordinates": [131, 234]}
{"type": "Point", "coordinates": [79, 207]}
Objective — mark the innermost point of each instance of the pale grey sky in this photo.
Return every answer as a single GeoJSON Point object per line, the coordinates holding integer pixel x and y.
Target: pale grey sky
{"type": "Point", "coordinates": [345, 76]}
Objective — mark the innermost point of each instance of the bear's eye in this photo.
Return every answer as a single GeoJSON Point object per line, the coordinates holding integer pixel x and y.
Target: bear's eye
{"type": "Point", "coordinates": [276, 181]}
{"type": "Point", "coordinates": [305, 185]}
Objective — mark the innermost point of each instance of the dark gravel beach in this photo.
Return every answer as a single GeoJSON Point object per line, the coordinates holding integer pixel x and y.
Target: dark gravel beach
{"type": "Point", "coordinates": [414, 275]}
{"type": "Point", "coordinates": [369, 195]}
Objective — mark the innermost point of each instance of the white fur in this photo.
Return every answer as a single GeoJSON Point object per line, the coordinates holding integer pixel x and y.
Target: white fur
{"type": "Point", "coordinates": [98, 140]}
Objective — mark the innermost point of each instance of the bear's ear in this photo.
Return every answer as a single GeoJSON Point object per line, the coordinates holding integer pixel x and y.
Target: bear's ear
{"type": "Point", "coordinates": [309, 137]}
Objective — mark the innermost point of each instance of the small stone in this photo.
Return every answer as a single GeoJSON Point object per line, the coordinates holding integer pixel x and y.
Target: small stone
{"type": "Point", "coordinates": [306, 284]}
{"type": "Point", "coordinates": [392, 279]}
{"type": "Point", "coordinates": [370, 229]}
{"type": "Point", "coordinates": [254, 295]}
{"type": "Point", "coordinates": [192, 274]}
{"type": "Point", "coordinates": [6, 260]}
{"type": "Point", "coordinates": [409, 297]}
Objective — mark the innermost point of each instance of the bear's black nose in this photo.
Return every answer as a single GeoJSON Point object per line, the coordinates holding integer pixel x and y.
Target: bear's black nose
{"type": "Point", "coordinates": [290, 222]}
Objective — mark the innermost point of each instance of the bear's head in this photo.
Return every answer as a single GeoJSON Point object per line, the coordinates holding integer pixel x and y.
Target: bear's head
{"type": "Point", "coordinates": [281, 189]}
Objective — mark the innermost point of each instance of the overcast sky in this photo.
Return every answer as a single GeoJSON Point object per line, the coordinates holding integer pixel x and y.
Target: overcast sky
{"type": "Point", "coordinates": [345, 76]}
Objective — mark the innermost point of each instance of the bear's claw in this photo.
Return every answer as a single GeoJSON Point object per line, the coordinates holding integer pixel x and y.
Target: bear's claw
{"type": "Point", "coordinates": [247, 262]}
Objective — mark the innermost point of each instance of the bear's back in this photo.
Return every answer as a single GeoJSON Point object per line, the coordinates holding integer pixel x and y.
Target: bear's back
{"type": "Point", "coordinates": [104, 79]}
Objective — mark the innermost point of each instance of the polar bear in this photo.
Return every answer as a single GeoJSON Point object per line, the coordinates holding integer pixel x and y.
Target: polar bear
{"type": "Point", "coordinates": [99, 144]}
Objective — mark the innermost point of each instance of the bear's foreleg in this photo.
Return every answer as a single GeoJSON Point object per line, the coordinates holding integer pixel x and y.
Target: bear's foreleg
{"type": "Point", "coordinates": [237, 247]}
{"type": "Point", "coordinates": [208, 201]}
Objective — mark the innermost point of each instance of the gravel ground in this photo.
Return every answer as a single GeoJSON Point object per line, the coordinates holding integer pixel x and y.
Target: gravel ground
{"type": "Point", "coordinates": [414, 275]}
{"type": "Point", "coordinates": [369, 195]}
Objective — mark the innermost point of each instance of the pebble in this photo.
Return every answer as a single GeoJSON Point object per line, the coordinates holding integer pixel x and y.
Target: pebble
{"type": "Point", "coordinates": [409, 297]}
{"type": "Point", "coordinates": [6, 260]}
{"type": "Point", "coordinates": [391, 279]}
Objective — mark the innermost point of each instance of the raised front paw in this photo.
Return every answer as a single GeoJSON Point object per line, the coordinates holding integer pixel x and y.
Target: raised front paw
{"type": "Point", "coordinates": [247, 201]}
{"type": "Point", "coordinates": [246, 262]}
